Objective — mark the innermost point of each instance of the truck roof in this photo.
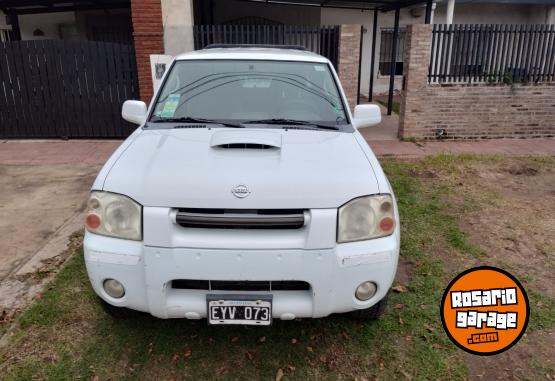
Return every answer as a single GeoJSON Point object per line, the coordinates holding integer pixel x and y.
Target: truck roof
{"type": "Point", "coordinates": [253, 53]}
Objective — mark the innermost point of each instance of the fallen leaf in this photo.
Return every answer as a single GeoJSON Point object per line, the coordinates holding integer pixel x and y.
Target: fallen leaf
{"type": "Point", "coordinates": [382, 365]}
{"type": "Point", "coordinates": [399, 288]}
{"type": "Point", "coordinates": [408, 376]}
{"type": "Point", "coordinates": [345, 335]}
{"type": "Point", "coordinates": [293, 341]}
{"type": "Point", "coordinates": [401, 321]}
{"type": "Point", "coordinates": [323, 358]}
{"type": "Point", "coordinates": [188, 353]}
{"type": "Point", "coordinates": [279, 374]}
{"type": "Point", "coordinates": [291, 367]}
{"type": "Point", "coordinates": [175, 357]}
{"type": "Point", "coordinates": [331, 364]}
{"type": "Point", "coordinates": [262, 339]}
{"type": "Point", "coordinates": [249, 355]}
{"type": "Point", "coordinates": [398, 306]}
{"type": "Point", "coordinates": [309, 349]}
{"type": "Point", "coordinates": [429, 328]}
{"type": "Point", "coordinates": [234, 339]}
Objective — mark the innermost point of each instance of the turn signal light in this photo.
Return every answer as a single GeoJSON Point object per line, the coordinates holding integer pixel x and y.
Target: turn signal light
{"type": "Point", "coordinates": [93, 221]}
{"type": "Point", "coordinates": [386, 224]}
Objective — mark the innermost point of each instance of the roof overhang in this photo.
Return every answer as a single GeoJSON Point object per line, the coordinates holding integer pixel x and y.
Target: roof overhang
{"type": "Point", "coordinates": [387, 5]}
{"type": "Point", "coordinates": [382, 5]}
{"type": "Point", "coordinates": [50, 6]}
{"type": "Point", "coordinates": [520, 2]}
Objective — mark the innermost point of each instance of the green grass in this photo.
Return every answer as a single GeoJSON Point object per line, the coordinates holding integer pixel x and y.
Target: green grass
{"type": "Point", "coordinates": [66, 335]}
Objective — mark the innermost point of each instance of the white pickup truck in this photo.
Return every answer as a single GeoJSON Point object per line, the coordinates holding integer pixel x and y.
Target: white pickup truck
{"type": "Point", "coordinates": [246, 194]}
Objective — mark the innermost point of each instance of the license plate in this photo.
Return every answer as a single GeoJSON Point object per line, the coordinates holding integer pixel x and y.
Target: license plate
{"type": "Point", "coordinates": [239, 309]}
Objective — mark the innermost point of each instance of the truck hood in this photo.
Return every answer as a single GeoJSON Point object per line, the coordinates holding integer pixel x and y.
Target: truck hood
{"type": "Point", "coordinates": [273, 168]}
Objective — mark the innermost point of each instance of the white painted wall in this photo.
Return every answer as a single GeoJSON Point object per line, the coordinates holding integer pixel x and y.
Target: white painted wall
{"type": "Point", "coordinates": [177, 18]}
{"type": "Point", "coordinates": [4, 27]}
{"type": "Point", "coordinates": [366, 18]}
{"type": "Point", "coordinates": [47, 22]}
{"type": "Point", "coordinates": [490, 14]}
{"type": "Point", "coordinates": [541, 14]}
{"type": "Point", "coordinates": [3, 24]}
{"type": "Point", "coordinates": [550, 14]}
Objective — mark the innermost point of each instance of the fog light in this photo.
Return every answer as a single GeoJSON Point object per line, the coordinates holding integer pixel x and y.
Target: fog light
{"type": "Point", "coordinates": [366, 290]}
{"type": "Point", "coordinates": [114, 288]}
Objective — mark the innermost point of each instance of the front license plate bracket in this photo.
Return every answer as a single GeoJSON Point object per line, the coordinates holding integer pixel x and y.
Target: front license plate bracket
{"type": "Point", "coordinates": [239, 309]}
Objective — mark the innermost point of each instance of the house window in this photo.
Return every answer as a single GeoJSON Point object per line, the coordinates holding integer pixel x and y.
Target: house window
{"type": "Point", "coordinates": [386, 45]}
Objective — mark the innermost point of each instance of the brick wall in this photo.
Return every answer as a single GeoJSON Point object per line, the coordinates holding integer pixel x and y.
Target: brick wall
{"type": "Point", "coordinates": [469, 111]}
{"type": "Point", "coordinates": [349, 56]}
{"type": "Point", "coordinates": [149, 39]}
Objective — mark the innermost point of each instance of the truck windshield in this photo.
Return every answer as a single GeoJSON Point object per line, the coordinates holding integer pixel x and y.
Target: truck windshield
{"type": "Point", "coordinates": [237, 91]}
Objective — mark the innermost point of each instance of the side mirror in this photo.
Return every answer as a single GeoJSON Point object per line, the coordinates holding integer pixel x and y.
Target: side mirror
{"type": "Point", "coordinates": [367, 115]}
{"type": "Point", "coordinates": [134, 111]}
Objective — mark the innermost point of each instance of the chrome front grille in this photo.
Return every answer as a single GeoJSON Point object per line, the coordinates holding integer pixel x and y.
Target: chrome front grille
{"type": "Point", "coordinates": [240, 219]}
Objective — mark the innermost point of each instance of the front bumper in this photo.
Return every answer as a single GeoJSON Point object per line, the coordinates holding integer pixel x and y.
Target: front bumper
{"type": "Point", "coordinates": [333, 274]}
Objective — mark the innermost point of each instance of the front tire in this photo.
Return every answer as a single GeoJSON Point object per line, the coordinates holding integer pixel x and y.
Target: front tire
{"type": "Point", "coordinates": [371, 313]}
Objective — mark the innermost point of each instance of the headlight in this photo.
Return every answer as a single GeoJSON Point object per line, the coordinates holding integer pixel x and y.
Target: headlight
{"type": "Point", "coordinates": [114, 215]}
{"type": "Point", "coordinates": [366, 218]}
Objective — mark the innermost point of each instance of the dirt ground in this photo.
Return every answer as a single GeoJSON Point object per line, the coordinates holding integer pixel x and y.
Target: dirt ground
{"type": "Point", "coordinates": [39, 209]}
{"type": "Point", "coordinates": [507, 208]}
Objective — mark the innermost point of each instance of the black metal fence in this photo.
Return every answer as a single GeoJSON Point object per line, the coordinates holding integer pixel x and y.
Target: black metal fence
{"type": "Point", "coordinates": [58, 88]}
{"type": "Point", "coordinates": [492, 53]}
{"type": "Point", "coordinates": [323, 40]}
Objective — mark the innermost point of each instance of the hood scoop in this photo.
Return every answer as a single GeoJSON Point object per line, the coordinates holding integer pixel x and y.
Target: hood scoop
{"type": "Point", "coordinates": [246, 139]}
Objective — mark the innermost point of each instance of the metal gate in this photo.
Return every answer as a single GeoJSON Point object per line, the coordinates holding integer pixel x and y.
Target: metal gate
{"type": "Point", "coordinates": [68, 89]}
{"type": "Point", "coordinates": [323, 40]}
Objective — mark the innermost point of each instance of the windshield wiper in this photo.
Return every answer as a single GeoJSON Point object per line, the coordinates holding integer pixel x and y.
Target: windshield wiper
{"type": "Point", "coordinates": [293, 122]}
{"type": "Point", "coordinates": [188, 119]}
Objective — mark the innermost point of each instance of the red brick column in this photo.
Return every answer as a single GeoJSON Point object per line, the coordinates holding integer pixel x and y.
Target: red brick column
{"type": "Point", "coordinates": [349, 56]}
{"type": "Point", "coordinates": [417, 59]}
{"type": "Point", "coordinates": [149, 39]}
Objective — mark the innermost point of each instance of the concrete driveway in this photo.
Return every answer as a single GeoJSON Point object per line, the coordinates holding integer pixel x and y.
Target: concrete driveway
{"type": "Point", "coordinates": [41, 204]}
